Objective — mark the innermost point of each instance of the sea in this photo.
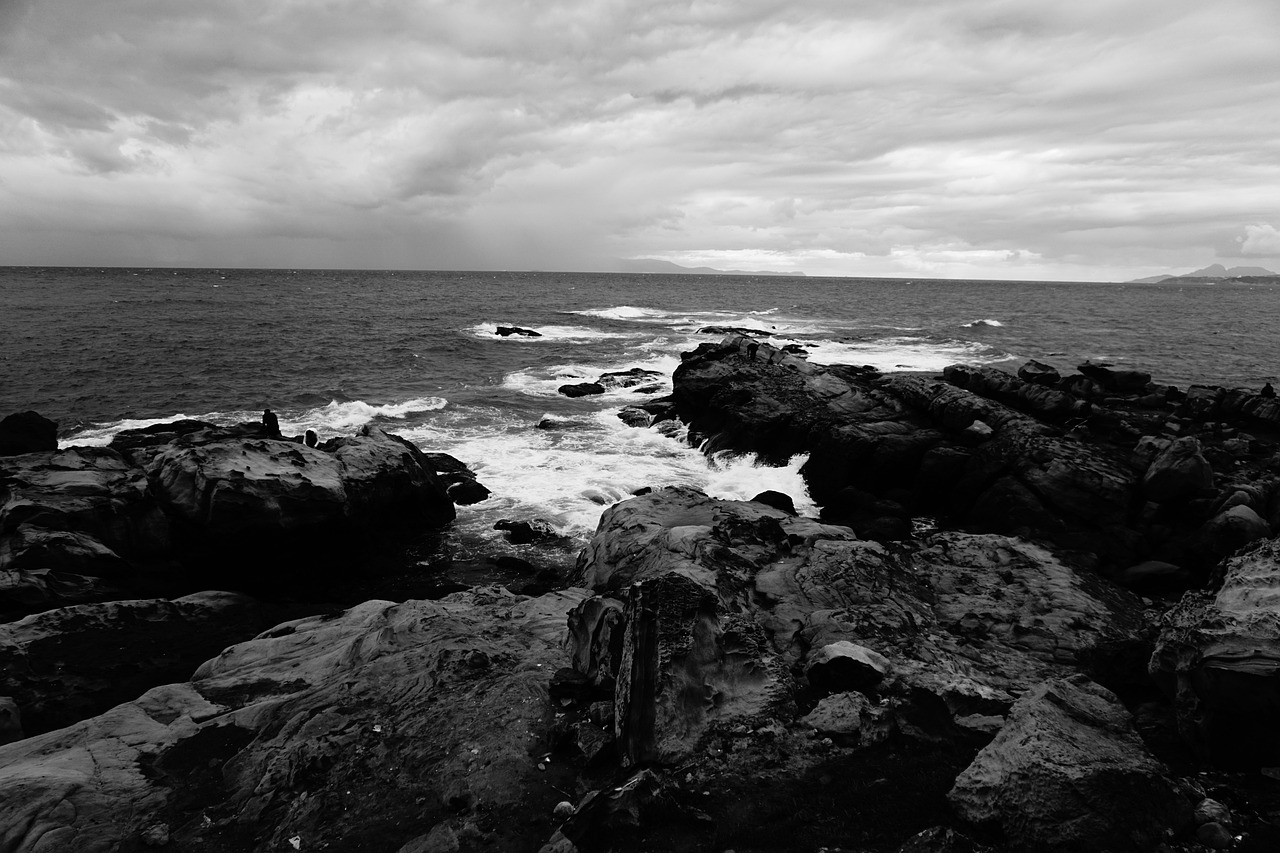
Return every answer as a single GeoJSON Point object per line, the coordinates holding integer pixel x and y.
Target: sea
{"type": "Point", "coordinates": [418, 354]}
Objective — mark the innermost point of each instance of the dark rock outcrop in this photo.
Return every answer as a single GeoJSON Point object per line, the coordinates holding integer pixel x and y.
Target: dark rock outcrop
{"type": "Point", "coordinates": [63, 665]}
{"type": "Point", "coordinates": [508, 331]}
{"type": "Point", "coordinates": [1106, 464]}
{"type": "Point", "coordinates": [1218, 659]}
{"type": "Point", "coordinates": [27, 432]}
{"type": "Point", "coordinates": [581, 389]}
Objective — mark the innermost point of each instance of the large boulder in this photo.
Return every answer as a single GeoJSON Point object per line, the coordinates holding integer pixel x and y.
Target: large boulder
{"type": "Point", "coordinates": [1178, 473]}
{"type": "Point", "coordinates": [723, 605]}
{"type": "Point", "coordinates": [385, 723]}
{"type": "Point", "coordinates": [1069, 772]}
{"type": "Point", "coordinates": [272, 496]}
{"type": "Point", "coordinates": [27, 432]}
{"type": "Point", "coordinates": [1218, 659]}
{"type": "Point", "coordinates": [69, 663]}
{"type": "Point", "coordinates": [81, 509]}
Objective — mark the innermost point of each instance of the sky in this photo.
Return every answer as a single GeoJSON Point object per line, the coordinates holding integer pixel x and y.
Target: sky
{"type": "Point", "coordinates": [1018, 139]}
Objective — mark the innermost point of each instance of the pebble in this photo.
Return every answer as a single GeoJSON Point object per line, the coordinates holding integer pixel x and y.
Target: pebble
{"type": "Point", "coordinates": [564, 808]}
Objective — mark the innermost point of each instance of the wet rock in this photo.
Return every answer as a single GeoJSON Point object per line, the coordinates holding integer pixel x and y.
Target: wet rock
{"type": "Point", "coordinates": [581, 389]}
{"type": "Point", "coordinates": [508, 331]}
{"type": "Point", "coordinates": [632, 378]}
{"type": "Point", "coordinates": [141, 445]}
{"type": "Point", "coordinates": [325, 727]}
{"type": "Point", "coordinates": [734, 330]}
{"type": "Point", "coordinates": [1218, 659]}
{"type": "Point", "coordinates": [459, 480]}
{"type": "Point", "coordinates": [1068, 772]}
{"type": "Point", "coordinates": [634, 416]}
{"type": "Point", "coordinates": [27, 432]}
{"type": "Point", "coordinates": [525, 532]}
{"type": "Point", "coordinates": [777, 500]}
{"type": "Point", "coordinates": [1215, 836]}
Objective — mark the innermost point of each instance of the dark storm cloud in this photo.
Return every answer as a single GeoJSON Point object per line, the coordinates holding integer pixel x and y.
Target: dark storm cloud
{"type": "Point", "coordinates": [1091, 139]}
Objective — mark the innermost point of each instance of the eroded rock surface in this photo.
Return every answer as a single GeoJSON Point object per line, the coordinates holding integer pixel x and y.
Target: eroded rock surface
{"type": "Point", "coordinates": [1069, 772]}
{"type": "Point", "coordinates": [372, 726]}
{"type": "Point", "coordinates": [1218, 658]}
{"type": "Point", "coordinates": [723, 606]}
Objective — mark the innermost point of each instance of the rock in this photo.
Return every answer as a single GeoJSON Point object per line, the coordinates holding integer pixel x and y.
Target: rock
{"type": "Point", "coordinates": [1215, 836]}
{"type": "Point", "coordinates": [1068, 772]}
{"type": "Point", "coordinates": [842, 666]}
{"type": "Point", "coordinates": [66, 664]}
{"type": "Point", "coordinates": [30, 591]}
{"type": "Point", "coordinates": [777, 500]}
{"type": "Point", "coordinates": [1039, 373]}
{"type": "Point", "coordinates": [141, 445]}
{"type": "Point", "coordinates": [850, 714]}
{"type": "Point", "coordinates": [1210, 810]}
{"type": "Point", "coordinates": [1154, 576]}
{"type": "Point", "coordinates": [724, 600]}
{"type": "Point", "coordinates": [80, 508]}
{"type": "Point", "coordinates": [733, 330]}
{"type": "Point", "coordinates": [525, 532]}
{"type": "Point", "coordinates": [634, 416]}
{"type": "Point", "coordinates": [250, 495]}
{"type": "Point", "coordinates": [628, 378]}
{"type": "Point", "coordinates": [507, 331]}
{"type": "Point", "coordinates": [1218, 659]}
{"type": "Point", "coordinates": [10, 721]}
{"type": "Point", "coordinates": [603, 816]}
{"type": "Point", "coordinates": [1178, 473]}
{"type": "Point", "coordinates": [459, 481]}
{"type": "Point", "coordinates": [1117, 381]}
{"type": "Point", "coordinates": [30, 547]}
{"type": "Point", "coordinates": [323, 728]}
{"type": "Point", "coordinates": [940, 839]}
{"type": "Point", "coordinates": [27, 432]}
{"type": "Point", "coordinates": [581, 389]}
{"type": "Point", "coordinates": [467, 492]}
{"type": "Point", "coordinates": [1229, 531]}
{"type": "Point", "coordinates": [389, 483]}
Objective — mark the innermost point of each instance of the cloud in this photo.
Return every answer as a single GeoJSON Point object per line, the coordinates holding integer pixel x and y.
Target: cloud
{"type": "Point", "coordinates": [1261, 239]}
{"type": "Point", "coordinates": [1089, 139]}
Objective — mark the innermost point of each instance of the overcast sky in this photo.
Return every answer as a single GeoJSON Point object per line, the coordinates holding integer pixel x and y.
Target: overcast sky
{"type": "Point", "coordinates": [1071, 139]}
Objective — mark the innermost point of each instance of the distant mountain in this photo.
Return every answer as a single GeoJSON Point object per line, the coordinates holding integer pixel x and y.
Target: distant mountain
{"type": "Point", "coordinates": [653, 265]}
{"type": "Point", "coordinates": [1213, 272]}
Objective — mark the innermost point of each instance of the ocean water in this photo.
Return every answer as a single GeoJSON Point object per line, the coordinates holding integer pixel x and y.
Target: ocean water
{"type": "Point", "coordinates": [416, 353]}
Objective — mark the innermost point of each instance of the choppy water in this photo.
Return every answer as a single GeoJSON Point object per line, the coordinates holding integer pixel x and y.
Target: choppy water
{"type": "Point", "coordinates": [103, 350]}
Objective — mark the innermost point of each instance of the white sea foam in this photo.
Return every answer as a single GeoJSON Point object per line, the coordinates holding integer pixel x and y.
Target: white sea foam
{"type": "Point", "coordinates": [626, 312]}
{"type": "Point", "coordinates": [900, 353]}
{"type": "Point", "coordinates": [335, 418]}
{"type": "Point", "coordinates": [991, 323]}
{"type": "Point", "coordinates": [569, 477]}
{"type": "Point", "coordinates": [546, 381]}
{"type": "Point", "coordinates": [343, 418]}
{"type": "Point", "coordinates": [547, 334]}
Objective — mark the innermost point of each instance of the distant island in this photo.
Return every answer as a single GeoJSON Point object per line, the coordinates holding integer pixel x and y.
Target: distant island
{"type": "Point", "coordinates": [653, 265]}
{"type": "Point", "coordinates": [1218, 274]}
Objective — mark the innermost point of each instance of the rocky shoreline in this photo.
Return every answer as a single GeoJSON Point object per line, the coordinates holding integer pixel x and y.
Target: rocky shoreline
{"type": "Point", "coordinates": [1038, 612]}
